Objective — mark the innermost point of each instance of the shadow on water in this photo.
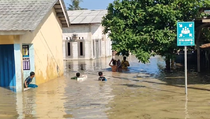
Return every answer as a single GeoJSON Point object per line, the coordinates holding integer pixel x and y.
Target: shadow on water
{"type": "Point", "coordinates": [133, 86]}
{"type": "Point", "coordinates": [157, 83]}
{"type": "Point", "coordinates": [178, 77]}
{"type": "Point", "coordinates": [155, 69]}
{"type": "Point", "coordinates": [190, 87]}
{"type": "Point", "coordinates": [139, 86]}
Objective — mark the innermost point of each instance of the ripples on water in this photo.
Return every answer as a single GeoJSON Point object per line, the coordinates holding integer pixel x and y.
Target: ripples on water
{"type": "Point", "coordinates": [143, 92]}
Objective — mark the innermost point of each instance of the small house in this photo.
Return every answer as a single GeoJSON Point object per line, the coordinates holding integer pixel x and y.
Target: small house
{"type": "Point", "coordinates": [31, 40]}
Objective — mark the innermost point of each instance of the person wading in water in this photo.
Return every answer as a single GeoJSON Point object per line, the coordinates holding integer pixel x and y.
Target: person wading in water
{"type": "Point", "coordinates": [125, 64]}
{"type": "Point", "coordinates": [114, 65]}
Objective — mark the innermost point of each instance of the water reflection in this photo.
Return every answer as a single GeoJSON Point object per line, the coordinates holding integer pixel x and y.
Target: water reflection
{"type": "Point", "coordinates": [143, 92]}
{"type": "Point", "coordinates": [88, 101]}
{"type": "Point", "coordinates": [7, 104]}
{"type": "Point", "coordinates": [186, 109]}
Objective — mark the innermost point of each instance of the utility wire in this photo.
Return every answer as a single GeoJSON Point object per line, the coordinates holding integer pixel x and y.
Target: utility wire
{"type": "Point", "coordinates": [58, 68]}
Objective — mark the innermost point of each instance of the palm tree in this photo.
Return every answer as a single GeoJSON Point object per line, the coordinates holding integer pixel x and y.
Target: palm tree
{"type": "Point", "coordinates": [75, 5]}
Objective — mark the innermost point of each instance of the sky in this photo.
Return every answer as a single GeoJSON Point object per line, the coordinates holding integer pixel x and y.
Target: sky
{"type": "Point", "coordinates": [93, 4]}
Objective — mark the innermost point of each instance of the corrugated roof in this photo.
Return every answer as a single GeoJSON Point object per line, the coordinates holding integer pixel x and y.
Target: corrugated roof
{"type": "Point", "coordinates": [86, 16]}
{"type": "Point", "coordinates": [23, 14]}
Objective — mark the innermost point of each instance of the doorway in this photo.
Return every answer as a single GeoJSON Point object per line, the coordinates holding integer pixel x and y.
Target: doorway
{"type": "Point", "coordinates": [7, 66]}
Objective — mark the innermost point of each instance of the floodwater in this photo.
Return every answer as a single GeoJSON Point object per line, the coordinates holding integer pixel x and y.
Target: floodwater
{"type": "Point", "coordinates": [143, 92]}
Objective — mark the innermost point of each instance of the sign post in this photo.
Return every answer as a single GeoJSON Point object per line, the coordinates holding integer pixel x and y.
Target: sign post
{"type": "Point", "coordinates": [185, 37]}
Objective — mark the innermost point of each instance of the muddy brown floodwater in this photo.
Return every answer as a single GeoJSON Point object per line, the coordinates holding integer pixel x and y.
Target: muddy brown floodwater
{"type": "Point", "coordinates": [143, 92]}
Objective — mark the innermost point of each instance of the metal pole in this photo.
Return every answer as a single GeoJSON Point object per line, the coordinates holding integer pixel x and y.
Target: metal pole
{"type": "Point", "coordinates": [185, 69]}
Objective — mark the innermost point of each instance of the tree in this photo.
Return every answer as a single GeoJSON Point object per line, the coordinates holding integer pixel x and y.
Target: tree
{"type": "Point", "coordinates": [75, 5]}
{"type": "Point", "coordinates": [147, 27]}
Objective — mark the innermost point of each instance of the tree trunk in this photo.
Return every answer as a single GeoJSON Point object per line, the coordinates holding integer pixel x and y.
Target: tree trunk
{"type": "Point", "coordinates": [168, 64]}
{"type": "Point", "coordinates": [172, 64]}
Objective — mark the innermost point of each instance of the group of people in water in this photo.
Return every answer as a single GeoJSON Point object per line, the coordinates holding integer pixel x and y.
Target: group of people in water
{"type": "Point", "coordinates": [116, 65]}
{"type": "Point", "coordinates": [78, 77]}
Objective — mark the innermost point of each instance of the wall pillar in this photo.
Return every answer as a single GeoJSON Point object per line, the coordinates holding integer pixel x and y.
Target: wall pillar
{"type": "Point", "coordinates": [91, 41]}
{"type": "Point", "coordinates": [64, 49]}
{"type": "Point", "coordinates": [87, 49]}
{"type": "Point", "coordinates": [18, 67]}
{"type": "Point", "coordinates": [32, 61]}
{"type": "Point", "coordinates": [75, 54]}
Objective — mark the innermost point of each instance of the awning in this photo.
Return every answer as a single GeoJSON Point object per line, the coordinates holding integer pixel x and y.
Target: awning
{"type": "Point", "coordinates": [207, 45]}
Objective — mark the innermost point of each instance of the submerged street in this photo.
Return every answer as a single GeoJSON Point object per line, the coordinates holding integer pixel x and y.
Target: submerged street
{"type": "Point", "coordinates": [143, 92]}
{"type": "Point", "coordinates": [84, 59]}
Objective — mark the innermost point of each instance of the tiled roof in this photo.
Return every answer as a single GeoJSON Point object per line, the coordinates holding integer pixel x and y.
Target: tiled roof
{"type": "Point", "coordinates": [23, 14]}
{"type": "Point", "coordinates": [86, 16]}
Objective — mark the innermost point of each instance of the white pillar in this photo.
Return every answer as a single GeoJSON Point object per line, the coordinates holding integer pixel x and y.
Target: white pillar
{"type": "Point", "coordinates": [87, 49]}
{"type": "Point", "coordinates": [18, 67]}
{"type": "Point", "coordinates": [64, 49]}
{"type": "Point", "coordinates": [75, 49]}
{"type": "Point", "coordinates": [32, 61]}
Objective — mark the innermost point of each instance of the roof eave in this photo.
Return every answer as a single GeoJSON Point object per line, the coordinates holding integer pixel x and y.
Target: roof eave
{"type": "Point", "coordinates": [207, 45]}
{"type": "Point", "coordinates": [62, 13]}
{"type": "Point", "coordinates": [13, 32]}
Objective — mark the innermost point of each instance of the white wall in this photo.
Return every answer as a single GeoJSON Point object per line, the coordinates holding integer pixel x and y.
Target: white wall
{"type": "Point", "coordinates": [96, 30]}
{"type": "Point", "coordinates": [89, 33]}
{"type": "Point", "coordinates": [81, 30]}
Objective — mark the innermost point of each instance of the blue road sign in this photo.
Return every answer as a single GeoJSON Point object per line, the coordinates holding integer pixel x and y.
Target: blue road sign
{"type": "Point", "coordinates": [185, 34]}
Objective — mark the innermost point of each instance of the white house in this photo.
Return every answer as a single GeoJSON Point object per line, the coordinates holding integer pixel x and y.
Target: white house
{"type": "Point", "coordinates": [84, 39]}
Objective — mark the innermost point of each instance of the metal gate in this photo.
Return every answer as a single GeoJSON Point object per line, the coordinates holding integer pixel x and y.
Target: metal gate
{"type": "Point", "coordinates": [7, 66]}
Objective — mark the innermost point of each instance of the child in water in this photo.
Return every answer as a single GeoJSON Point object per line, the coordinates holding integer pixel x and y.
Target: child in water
{"type": "Point", "coordinates": [101, 77]}
{"type": "Point", "coordinates": [28, 80]}
{"type": "Point", "coordinates": [79, 78]}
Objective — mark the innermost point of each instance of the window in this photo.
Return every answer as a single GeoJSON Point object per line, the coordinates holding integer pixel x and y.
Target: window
{"type": "Point", "coordinates": [81, 48]}
{"type": "Point", "coordinates": [26, 58]}
{"type": "Point", "coordinates": [25, 50]}
{"type": "Point", "coordinates": [69, 48]}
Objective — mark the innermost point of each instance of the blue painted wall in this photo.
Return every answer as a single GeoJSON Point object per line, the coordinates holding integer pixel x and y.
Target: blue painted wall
{"type": "Point", "coordinates": [7, 66]}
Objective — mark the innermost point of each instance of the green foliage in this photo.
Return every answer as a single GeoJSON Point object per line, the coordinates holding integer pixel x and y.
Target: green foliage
{"type": "Point", "coordinates": [144, 27]}
{"type": "Point", "coordinates": [75, 5]}
{"type": "Point", "coordinates": [203, 15]}
{"type": "Point", "coordinates": [205, 35]}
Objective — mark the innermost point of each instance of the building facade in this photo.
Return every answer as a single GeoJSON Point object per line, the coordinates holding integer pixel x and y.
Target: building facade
{"type": "Point", "coordinates": [84, 39]}
{"type": "Point", "coordinates": [31, 40]}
